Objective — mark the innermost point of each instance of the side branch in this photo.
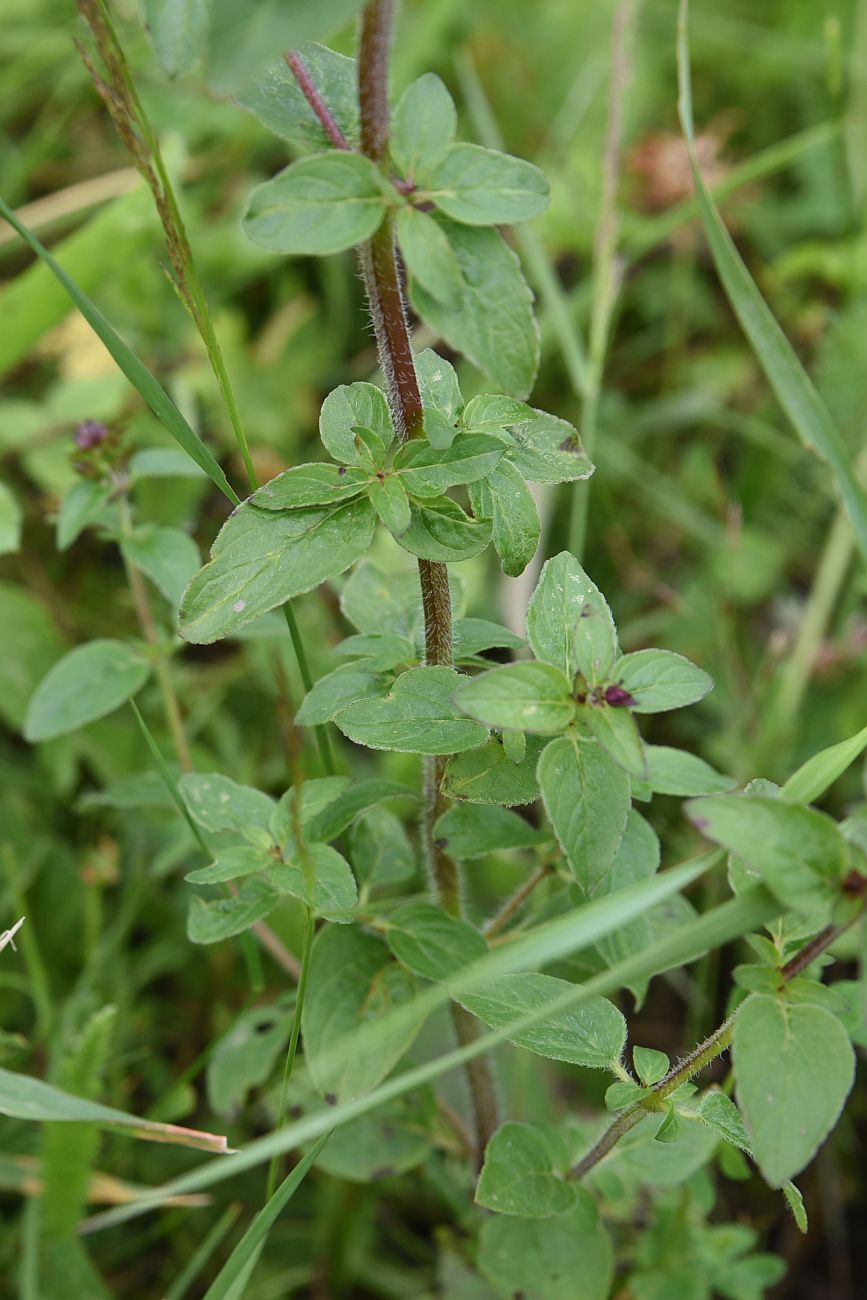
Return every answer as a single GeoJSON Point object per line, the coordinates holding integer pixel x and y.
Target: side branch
{"type": "Point", "coordinates": [707, 1051]}
{"type": "Point", "coordinates": [308, 88]}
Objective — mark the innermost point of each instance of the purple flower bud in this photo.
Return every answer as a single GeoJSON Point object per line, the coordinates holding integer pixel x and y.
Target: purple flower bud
{"type": "Point", "coordinates": [618, 697]}
{"type": "Point", "coordinates": [89, 434]}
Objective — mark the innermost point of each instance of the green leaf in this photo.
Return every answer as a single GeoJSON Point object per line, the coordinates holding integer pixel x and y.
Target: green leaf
{"type": "Point", "coordinates": [337, 813]}
{"type": "Point", "coordinates": [483, 187]}
{"type": "Point", "coordinates": [438, 384]}
{"type": "Point", "coordinates": [814, 777]}
{"type": "Point", "coordinates": [650, 1065]}
{"type": "Point", "coordinates": [22, 1097]}
{"type": "Point", "coordinates": [168, 556]}
{"type": "Point", "coordinates": [276, 99]}
{"type": "Point", "coordinates": [216, 919]}
{"type": "Point", "coordinates": [569, 624]}
{"type": "Point", "coordinates": [428, 255]}
{"type": "Point", "coordinates": [659, 680]}
{"type": "Point", "coordinates": [493, 324]}
{"type": "Point", "coordinates": [32, 646]}
{"type": "Point", "coordinates": [795, 1202]}
{"type": "Point", "coordinates": [333, 692]}
{"type": "Point", "coordinates": [380, 849]}
{"type": "Point", "coordinates": [592, 1034]}
{"type": "Point", "coordinates": [387, 1142]}
{"type": "Point", "coordinates": [427, 471]}
{"type": "Point", "coordinates": [80, 507]}
{"type": "Point", "coordinates": [317, 484]}
{"type": "Point", "coordinates": [520, 697]}
{"type": "Point", "coordinates": [587, 799]}
{"type": "Point", "coordinates": [245, 1055]}
{"type": "Point", "coordinates": [370, 449]}
{"type": "Point", "coordinates": [674, 771]}
{"type": "Point", "coordinates": [794, 1067]}
{"type": "Point", "coordinates": [389, 500]}
{"type": "Point", "coordinates": [231, 1280]}
{"type": "Point", "coordinates": [379, 650]}
{"type": "Point", "coordinates": [261, 559]}
{"type": "Point", "coordinates": [542, 1259]}
{"type": "Point", "coordinates": [431, 943]}
{"type": "Point", "coordinates": [489, 776]}
{"type": "Point", "coordinates": [232, 864]}
{"type": "Point", "coordinates": [318, 205]}
{"type": "Point", "coordinates": [521, 1173]}
{"type": "Point", "coordinates": [345, 409]}
{"type": "Point", "coordinates": [799, 853]}
{"type": "Point", "coordinates": [353, 980]}
{"type": "Point", "coordinates": [417, 716]}
{"type": "Point", "coordinates": [378, 602]}
{"type": "Point", "coordinates": [141, 379]}
{"type": "Point", "coordinates": [178, 30]}
{"type": "Point", "coordinates": [243, 40]}
{"type": "Point", "coordinates": [473, 635]}
{"type": "Point", "coordinates": [617, 731]}
{"type": "Point", "coordinates": [322, 878]}
{"type": "Point", "coordinates": [469, 832]}
{"type": "Point", "coordinates": [789, 380]}
{"type": "Point", "coordinates": [543, 447]}
{"type": "Point", "coordinates": [505, 499]}
{"type": "Point", "coordinates": [441, 531]}
{"type": "Point", "coordinates": [219, 805]}
{"type": "Point", "coordinates": [88, 683]}
{"type": "Point", "coordinates": [720, 1113]}
{"type": "Point", "coordinates": [423, 126]}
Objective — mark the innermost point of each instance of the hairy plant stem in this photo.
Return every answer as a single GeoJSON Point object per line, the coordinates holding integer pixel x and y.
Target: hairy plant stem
{"type": "Point", "coordinates": [379, 267]}
{"type": "Point", "coordinates": [517, 900]}
{"type": "Point", "coordinates": [708, 1050]}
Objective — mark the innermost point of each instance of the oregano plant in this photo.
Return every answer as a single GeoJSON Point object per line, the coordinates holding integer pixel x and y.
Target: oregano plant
{"type": "Point", "coordinates": [389, 1010]}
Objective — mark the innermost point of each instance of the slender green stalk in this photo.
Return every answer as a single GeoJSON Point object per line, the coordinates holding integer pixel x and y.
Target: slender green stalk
{"type": "Point", "coordinates": [203, 1252]}
{"type": "Point", "coordinates": [607, 273]}
{"type": "Point", "coordinates": [309, 928]}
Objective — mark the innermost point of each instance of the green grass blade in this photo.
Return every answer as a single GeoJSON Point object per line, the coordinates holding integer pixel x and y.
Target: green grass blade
{"type": "Point", "coordinates": [719, 926]}
{"type": "Point", "coordinates": [136, 372]}
{"type": "Point", "coordinates": [203, 1252]}
{"type": "Point", "coordinates": [230, 1282]}
{"type": "Point", "coordinates": [792, 385]}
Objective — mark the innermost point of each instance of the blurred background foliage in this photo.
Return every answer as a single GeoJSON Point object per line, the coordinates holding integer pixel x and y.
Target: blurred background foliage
{"type": "Point", "coordinates": [710, 529]}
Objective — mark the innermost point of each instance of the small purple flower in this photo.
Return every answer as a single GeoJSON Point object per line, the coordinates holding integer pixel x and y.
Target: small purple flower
{"type": "Point", "coordinates": [618, 697]}
{"type": "Point", "coordinates": [89, 434]}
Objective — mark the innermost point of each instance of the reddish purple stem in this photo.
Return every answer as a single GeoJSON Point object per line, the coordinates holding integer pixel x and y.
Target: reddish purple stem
{"type": "Point", "coordinates": [298, 68]}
